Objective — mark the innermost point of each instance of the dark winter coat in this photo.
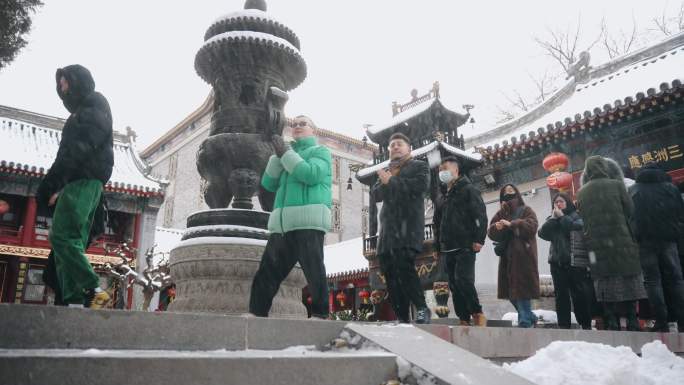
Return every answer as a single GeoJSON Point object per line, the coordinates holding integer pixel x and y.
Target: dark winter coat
{"type": "Point", "coordinates": [86, 147]}
{"type": "Point", "coordinates": [460, 217]}
{"type": "Point", "coordinates": [566, 237]}
{"type": "Point", "coordinates": [606, 209]}
{"type": "Point", "coordinates": [518, 270]}
{"type": "Point", "coordinates": [658, 207]}
{"type": "Point", "coordinates": [402, 217]}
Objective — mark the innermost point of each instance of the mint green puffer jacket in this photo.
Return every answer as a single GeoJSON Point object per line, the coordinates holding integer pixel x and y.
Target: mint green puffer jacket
{"type": "Point", "coordinates": [302, 181]}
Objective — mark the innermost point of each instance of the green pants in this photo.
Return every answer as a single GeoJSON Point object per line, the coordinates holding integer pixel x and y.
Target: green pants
{"type": "Point", "coordinates": [69, 237]}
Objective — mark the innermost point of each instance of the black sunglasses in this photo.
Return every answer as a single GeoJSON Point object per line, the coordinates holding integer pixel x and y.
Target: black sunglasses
{"type": "Point", "coordinates": [300, 124]}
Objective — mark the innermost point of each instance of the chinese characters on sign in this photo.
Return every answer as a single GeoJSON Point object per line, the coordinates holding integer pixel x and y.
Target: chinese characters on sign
{"type": "Point", "coordinates": [661, 155]}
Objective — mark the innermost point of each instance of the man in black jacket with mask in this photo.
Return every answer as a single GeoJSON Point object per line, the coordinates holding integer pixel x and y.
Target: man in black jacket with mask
{"type": "Point", "coordinates": [657, 220]}
{"type": "Point", "coordinates": [460, 229]}
{"type": "Point", "coordinates": [402, 232]}
{"type": "Point", "coordinates": [74, 184]}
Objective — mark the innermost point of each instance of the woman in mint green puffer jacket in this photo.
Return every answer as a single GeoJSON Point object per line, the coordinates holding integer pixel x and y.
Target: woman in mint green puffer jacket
{"type": "Point", "coordinates": [302, 181]}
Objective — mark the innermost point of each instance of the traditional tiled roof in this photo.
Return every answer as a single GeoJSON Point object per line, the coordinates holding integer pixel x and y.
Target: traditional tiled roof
{"type": "Point", "coordinates": [30, 149]}
{"type": "Point", "coordinates": [345, 259]}
{"type": "Point", "coordinates": [622, 87]}
{"type": "Point", "coordinates": [410, 118]}
{"type": "Point", "coordinates": [436, 145]}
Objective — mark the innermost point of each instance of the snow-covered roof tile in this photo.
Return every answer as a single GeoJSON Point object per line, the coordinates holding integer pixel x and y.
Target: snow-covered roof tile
{"type": "Point", "coordinates": [344, 257]}
{"type": "Point", "coordinates": [474, 156]}
{"type": "Point", "coordinates": [166, 239]}
{"type": "Point", "coordinates": [402, 117]}
{"type": "Point", "coordinates": [628, 83]}
{"type": "Point", "coordinates": [32, 149]}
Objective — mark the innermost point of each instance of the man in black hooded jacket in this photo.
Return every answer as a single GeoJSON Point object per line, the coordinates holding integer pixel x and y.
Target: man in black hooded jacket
{"type": "Point", "coordinates": [75, 182]}
{"type": "Point", "coordinates": [460, 223]}
{"type": "Point", "coordinates": [657, 220]}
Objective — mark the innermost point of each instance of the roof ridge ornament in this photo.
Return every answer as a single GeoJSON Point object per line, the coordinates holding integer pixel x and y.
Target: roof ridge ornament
{"type": "Point", "coordinates": [398, 108]}
{"type": "Point", "coordinates": [256, 4]}
{"type": "Point", "coordinates": [580, 68]}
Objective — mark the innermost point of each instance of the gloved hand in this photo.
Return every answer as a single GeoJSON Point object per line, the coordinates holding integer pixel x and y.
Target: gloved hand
{"type": "Point", "coordinates": [279, 145]}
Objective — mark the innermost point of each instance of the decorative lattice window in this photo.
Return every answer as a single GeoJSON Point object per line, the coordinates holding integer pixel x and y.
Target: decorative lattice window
{"type": "Point", "coordinates": [336, 169]}
{"type": "Point", "coordinates": [336, 218]}
{"type": "Point", "coordinates": [364, 220]}
{"type": "Point", "coordinates": [168, 211]}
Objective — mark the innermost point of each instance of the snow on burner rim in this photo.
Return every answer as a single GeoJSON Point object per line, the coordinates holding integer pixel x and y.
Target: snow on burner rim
{"type": "Point", "coordinates": [220, 241]}
{"type": "Point", "coordinates": [252, 36]}
{"type": "Point", "coordinates": [199, 229]}
{"type": "Point", "coordinates": [250, 13]}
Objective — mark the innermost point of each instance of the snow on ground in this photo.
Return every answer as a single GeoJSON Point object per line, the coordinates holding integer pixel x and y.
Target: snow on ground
{"type": "Point", "coordinates": [580, 363]}
{"type": "Point", "coordinates": [545, 316]}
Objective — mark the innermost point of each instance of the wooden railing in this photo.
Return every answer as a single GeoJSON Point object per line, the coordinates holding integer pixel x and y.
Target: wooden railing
{"type": "Point", "coordinates": [370, 244]}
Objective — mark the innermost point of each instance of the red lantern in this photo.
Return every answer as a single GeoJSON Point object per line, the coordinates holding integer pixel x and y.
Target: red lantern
{"type": "Point", "coordinates": [309, 300]}
{"type": "Point", "coordinates": [4, 207]}
{"type": "Point", "coordinates": [560, 181]}
{"type": "Point", "coordinates": [555, 162]}
{"type": "Point", "coordinates": [364, 295]}
{"type": "Point", "coordinates": [341, 298]}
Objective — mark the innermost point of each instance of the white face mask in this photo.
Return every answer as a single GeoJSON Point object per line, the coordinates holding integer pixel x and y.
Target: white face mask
{"type": "Point", "coordinates": [445, 176]}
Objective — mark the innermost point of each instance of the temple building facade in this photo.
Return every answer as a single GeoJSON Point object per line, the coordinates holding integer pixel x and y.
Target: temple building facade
{"type": "Point", "coordinates": [630, 109]}
{"type": "Point", "coordinates": [30, 141]}
{"type": "Point", "coordinates": [173, 157]}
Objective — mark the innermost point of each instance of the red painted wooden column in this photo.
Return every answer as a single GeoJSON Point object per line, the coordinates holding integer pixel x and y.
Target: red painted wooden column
{"type": "Point", "coordinates": [29, 222]}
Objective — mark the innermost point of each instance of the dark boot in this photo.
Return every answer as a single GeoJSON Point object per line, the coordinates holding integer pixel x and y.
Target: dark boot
{"type": "Point", "coordinates": [423, 316]}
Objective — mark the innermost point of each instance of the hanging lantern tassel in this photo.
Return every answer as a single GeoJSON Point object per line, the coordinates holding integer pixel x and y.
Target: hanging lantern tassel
{"type": "Point", "coordinates": [341, 298]}
{"type": "Point", "coordinates": [364, 295]}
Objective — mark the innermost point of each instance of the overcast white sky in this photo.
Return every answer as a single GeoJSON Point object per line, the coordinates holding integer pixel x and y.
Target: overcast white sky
{"type": "Point", "coordinates": [361, 55]}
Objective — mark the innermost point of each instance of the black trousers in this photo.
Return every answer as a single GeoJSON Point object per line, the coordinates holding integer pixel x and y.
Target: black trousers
{"type": "Point", "coordinates": [282, 252]}
{"type": "Point", "coordinates": [662, 271]}
{"type": "Point", "coordinates": [572, 282]}
{"type": "Point", "coordinates": [460, 267]}
{"type": "Point", "coordinates": [403, 284]}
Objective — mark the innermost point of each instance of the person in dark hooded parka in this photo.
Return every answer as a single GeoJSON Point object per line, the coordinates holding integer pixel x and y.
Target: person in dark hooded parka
{"type": "Point", "coordinates": [606, 209]}
{"type": "Point", "coordinates": [569, 262]}
{"type": "Point", "coordinates": [74, 184]}
{"type": "Point", "coordinates": [657, 220]}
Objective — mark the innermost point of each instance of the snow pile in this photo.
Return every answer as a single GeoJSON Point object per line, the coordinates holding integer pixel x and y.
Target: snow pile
{"type": "Point", "coordinates": [579, 363]}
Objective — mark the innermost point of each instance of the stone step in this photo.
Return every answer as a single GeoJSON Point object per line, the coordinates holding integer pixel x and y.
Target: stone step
{"type": "Point", "coordinates": [516, 344]}
{"type": "Point", "coordinates": [55, 327]}
{"type": "Point", "coordinates": [153, 367]}
{"type": "Point", "coordinates": [426, 359]}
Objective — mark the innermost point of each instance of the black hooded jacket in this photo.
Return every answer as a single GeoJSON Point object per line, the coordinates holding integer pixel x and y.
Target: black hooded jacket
{"type": "Point", "coordinates": [565, 235]}
{"type": "Point", "coordinates": [658, 206]}
{"type": "Point", "coordinates": [86, 147]}
{"type": "Point", "coordinates": [460, 217]}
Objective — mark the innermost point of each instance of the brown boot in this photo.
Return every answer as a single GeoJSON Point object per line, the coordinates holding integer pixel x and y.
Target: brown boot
{"type": "Point", "coordinates": [479, 319]}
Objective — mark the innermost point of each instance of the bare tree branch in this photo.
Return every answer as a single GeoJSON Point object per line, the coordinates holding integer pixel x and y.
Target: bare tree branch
{"type": "Point", "coordinates": [564, 46]}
